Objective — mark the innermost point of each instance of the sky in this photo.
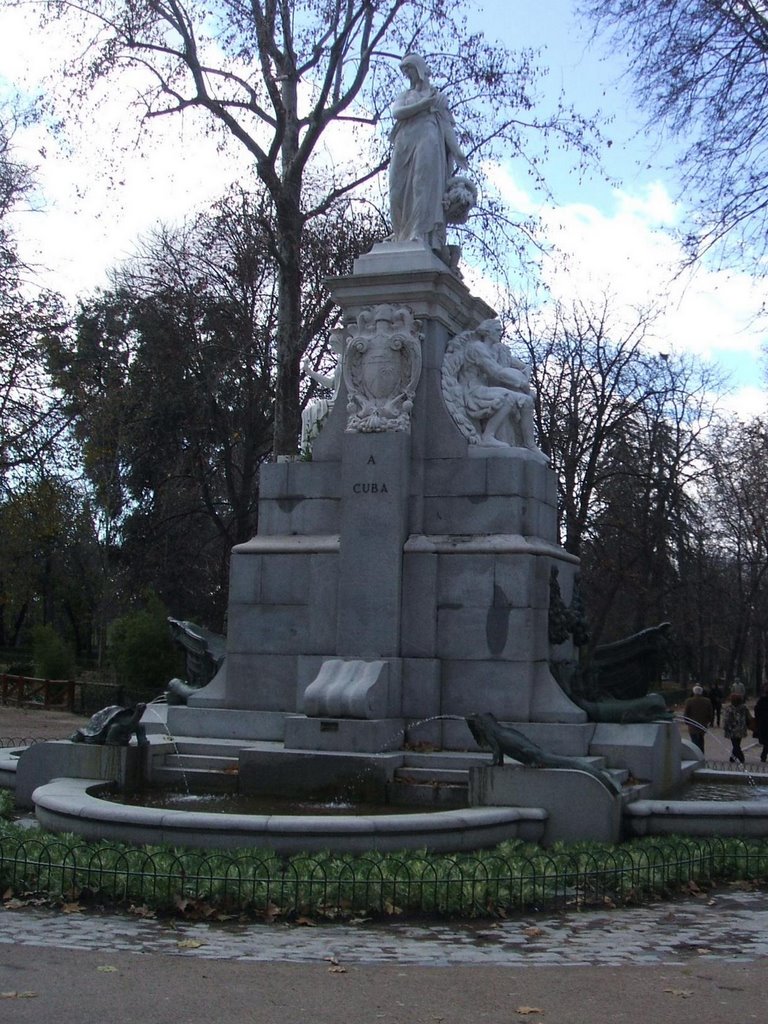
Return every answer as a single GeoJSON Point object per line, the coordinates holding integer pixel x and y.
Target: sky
{"type": "Point", "coordinates": [615, 227]}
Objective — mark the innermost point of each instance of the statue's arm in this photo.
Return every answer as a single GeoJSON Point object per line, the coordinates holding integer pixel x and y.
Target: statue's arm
{"type": "Point", "coordinates": [404, 108]}
{"type": "Point", "coordinates": [448, 126]}
{"type": "Point", "coordinates": [326, 382]}
{"type": "Point", "coordinates": [495, 371]}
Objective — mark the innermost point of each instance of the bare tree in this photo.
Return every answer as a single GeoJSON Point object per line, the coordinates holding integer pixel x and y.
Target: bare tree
{"type": "Point", "coordinates": [699, 67]}
{"type": "Point", "coordinates": [277, 75]}
{"type": "Point", "coordinates": [736, 503]}
{"type": "Point", "coordinates": [624, 429]}
{"type": "Point", "coordinates": [590, 377]}
{"type": "Point", "coordinates": [29, 414]}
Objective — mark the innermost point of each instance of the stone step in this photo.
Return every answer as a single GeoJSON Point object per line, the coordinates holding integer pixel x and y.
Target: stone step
{"type": "Point", "coordinates": [196, 780]}
{"type": "Point", "coordinates": [639, 791]}
{"type": "Point", "coordinates": [205, 746]}
{"type": "Point", "coordinates": [407, 791]}
{"type": "Point", "coordinates": [214, 762]}
{"type": "Point", "coordinates": [448, 759]}
{"type": "Point", "coordinates": [433, 776]}
{"type": "Point", "coordinates": [460, 776]}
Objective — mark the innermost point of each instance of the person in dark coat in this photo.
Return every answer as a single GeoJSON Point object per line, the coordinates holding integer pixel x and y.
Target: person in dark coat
{"type": "Point", "coordinates": [760, 715]}
{"type": "Point", "coordinates": [716, 696]}
{"type": "Point", "coordinates": [698, 714]}
{"type": "Point", "coordinates": [737, 722]}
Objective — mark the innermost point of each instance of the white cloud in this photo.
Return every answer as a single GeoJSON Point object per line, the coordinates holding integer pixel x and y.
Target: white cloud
{"type": "Point", "coordinates": [746, 403]}
{"type": "Point", "coordinates": [629, 254]}
{"type": "Point", "coordinates": [627, 251]}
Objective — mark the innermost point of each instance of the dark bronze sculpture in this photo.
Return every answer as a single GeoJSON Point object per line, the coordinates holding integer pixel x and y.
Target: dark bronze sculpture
{"type": "Point", "coordinates": [204, 654]}
{"type": "Point", "coordinates": [650, 708]}
{"type": "Point", "coordinates": [204, 650]}
{"type": "Point", "coordinates": [625, 669]}
{"type": "Point", "coordinates": [113, 726]}
{"type": "Point", "coordinates": [503, 739]}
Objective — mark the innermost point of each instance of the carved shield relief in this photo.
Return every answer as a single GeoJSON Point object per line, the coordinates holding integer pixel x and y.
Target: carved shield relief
{"type": "Point", "coordinates": [382, 367]}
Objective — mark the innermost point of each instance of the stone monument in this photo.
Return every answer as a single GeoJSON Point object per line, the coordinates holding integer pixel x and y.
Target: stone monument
{"type": "Point", "coordinates": [404, 572]}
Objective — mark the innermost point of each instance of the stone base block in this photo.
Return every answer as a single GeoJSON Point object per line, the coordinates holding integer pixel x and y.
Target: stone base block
{"type": "Point", "coordinates": [650, 751]}
{"type": "Point", "coordinates": [354, 735]}
{"type": "Point", "coordinates": [225, 723]}
{"type": "Point", "coordinates": [322, 775]}
{"type": "Point", "coordinates": [578, 806]}
{"type": "Point", "coordinates": [125, 766]}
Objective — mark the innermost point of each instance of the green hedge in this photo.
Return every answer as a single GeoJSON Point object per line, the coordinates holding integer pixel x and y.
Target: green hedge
{"type": "Point", "coordinates": [513, 877]}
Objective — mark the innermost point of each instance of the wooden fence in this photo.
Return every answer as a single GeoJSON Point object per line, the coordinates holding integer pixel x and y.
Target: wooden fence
{"type": "Point", "coordinates": [52, 693]}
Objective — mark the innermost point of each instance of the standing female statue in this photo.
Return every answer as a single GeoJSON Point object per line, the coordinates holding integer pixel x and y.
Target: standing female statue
{"type": "Point", "coordinates": [425, 154]}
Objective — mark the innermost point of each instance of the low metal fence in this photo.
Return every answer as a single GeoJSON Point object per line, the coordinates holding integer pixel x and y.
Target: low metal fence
{"type": "Point", "coordinates": [268, 886]}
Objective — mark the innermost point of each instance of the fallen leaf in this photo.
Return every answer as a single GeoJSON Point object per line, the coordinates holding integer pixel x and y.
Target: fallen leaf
{"type": "Point", "coordinates": [18, 995]}
{"type": "Point", "coordinates": [684, 993]}
{"type": "Point", "coordinates": [533, 932]}
{"type": "Point", "coordinates": [271, 911]}
{"type": "Point", "coordinates": [525, 1010]}
{"type": "Point", "coordinates": [106, 969]}
{"type": "Point", "coordinates": [142, 911]}
{"type": "Point", "coordinates": [189, 944]}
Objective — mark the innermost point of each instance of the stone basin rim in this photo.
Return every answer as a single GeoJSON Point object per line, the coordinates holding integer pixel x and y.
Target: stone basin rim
{"type": "Point", "coordinates": [72, 805]}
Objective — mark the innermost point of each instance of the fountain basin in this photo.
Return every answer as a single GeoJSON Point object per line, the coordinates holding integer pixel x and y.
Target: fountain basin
{"type": "Point", "coordinates": [700, 817]}
{"type": "Point", "coordinates": [72, 805]}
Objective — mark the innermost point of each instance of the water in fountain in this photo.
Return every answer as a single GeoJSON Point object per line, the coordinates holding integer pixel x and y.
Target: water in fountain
{"type": "Point", "coordinates": [741, 765]}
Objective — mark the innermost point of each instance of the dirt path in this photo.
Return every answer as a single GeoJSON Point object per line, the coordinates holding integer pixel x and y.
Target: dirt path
{"type": "Point", "coordinates": [37, 723]}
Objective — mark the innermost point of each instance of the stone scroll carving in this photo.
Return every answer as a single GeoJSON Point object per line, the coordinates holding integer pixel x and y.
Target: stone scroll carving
{"type": "Point", "coordinates": [487, 389]}
{"type": "Point", "coordinates": [382, 366]}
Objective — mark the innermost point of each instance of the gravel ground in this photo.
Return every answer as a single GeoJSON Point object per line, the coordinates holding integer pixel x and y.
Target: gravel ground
{"type": "Point", "coordinates": [37, 723]}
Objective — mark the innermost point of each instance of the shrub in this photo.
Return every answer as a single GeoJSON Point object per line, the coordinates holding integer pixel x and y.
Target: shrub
{"type": "Point", "coordinates": [53, 658]}
{"type": "Point", "coordinates": [141, 650]}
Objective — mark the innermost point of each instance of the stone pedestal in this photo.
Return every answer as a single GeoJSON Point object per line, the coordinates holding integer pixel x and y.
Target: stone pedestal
{"type": "Point", "coordinates": [578, 806]}
{"type": "Point", "coordinates": [400, 542]}
{"type": "Point", "coordinates": [126, 767]}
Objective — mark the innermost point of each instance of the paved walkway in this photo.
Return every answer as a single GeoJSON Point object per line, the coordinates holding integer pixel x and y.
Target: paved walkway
{"type": "Point", "coordinates": [701, 960]}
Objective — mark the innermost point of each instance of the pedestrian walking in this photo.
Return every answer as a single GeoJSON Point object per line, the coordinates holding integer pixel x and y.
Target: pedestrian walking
{"type": "Point", "coordinates": [761, 721]}
{"type": "Point", "coordinates": [737, 722]}
{"type": "Point", "coordinates": [738, 687]}
{"type": "Point", "coordinates": [699, 714]}
{"type": "Point", "coordinates": [716, 696]}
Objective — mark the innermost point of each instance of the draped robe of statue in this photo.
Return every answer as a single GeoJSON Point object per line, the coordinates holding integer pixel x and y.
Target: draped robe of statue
{"type": "Point", "coordinates": [424, 154]}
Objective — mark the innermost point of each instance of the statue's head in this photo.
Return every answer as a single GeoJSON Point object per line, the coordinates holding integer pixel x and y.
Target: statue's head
{"type": "Point", "coordinates": [490, 330]}
{"type": "Point", "coordinates": [417, 64]}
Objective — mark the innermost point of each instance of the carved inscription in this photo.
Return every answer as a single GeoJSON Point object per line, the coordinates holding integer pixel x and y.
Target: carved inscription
{"type": "Point", "coordinates": [372, 488]}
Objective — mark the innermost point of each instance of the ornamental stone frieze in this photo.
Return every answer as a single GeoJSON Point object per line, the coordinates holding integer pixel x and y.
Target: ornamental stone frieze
{"type": "Point", "coordinates": [382, 366]}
